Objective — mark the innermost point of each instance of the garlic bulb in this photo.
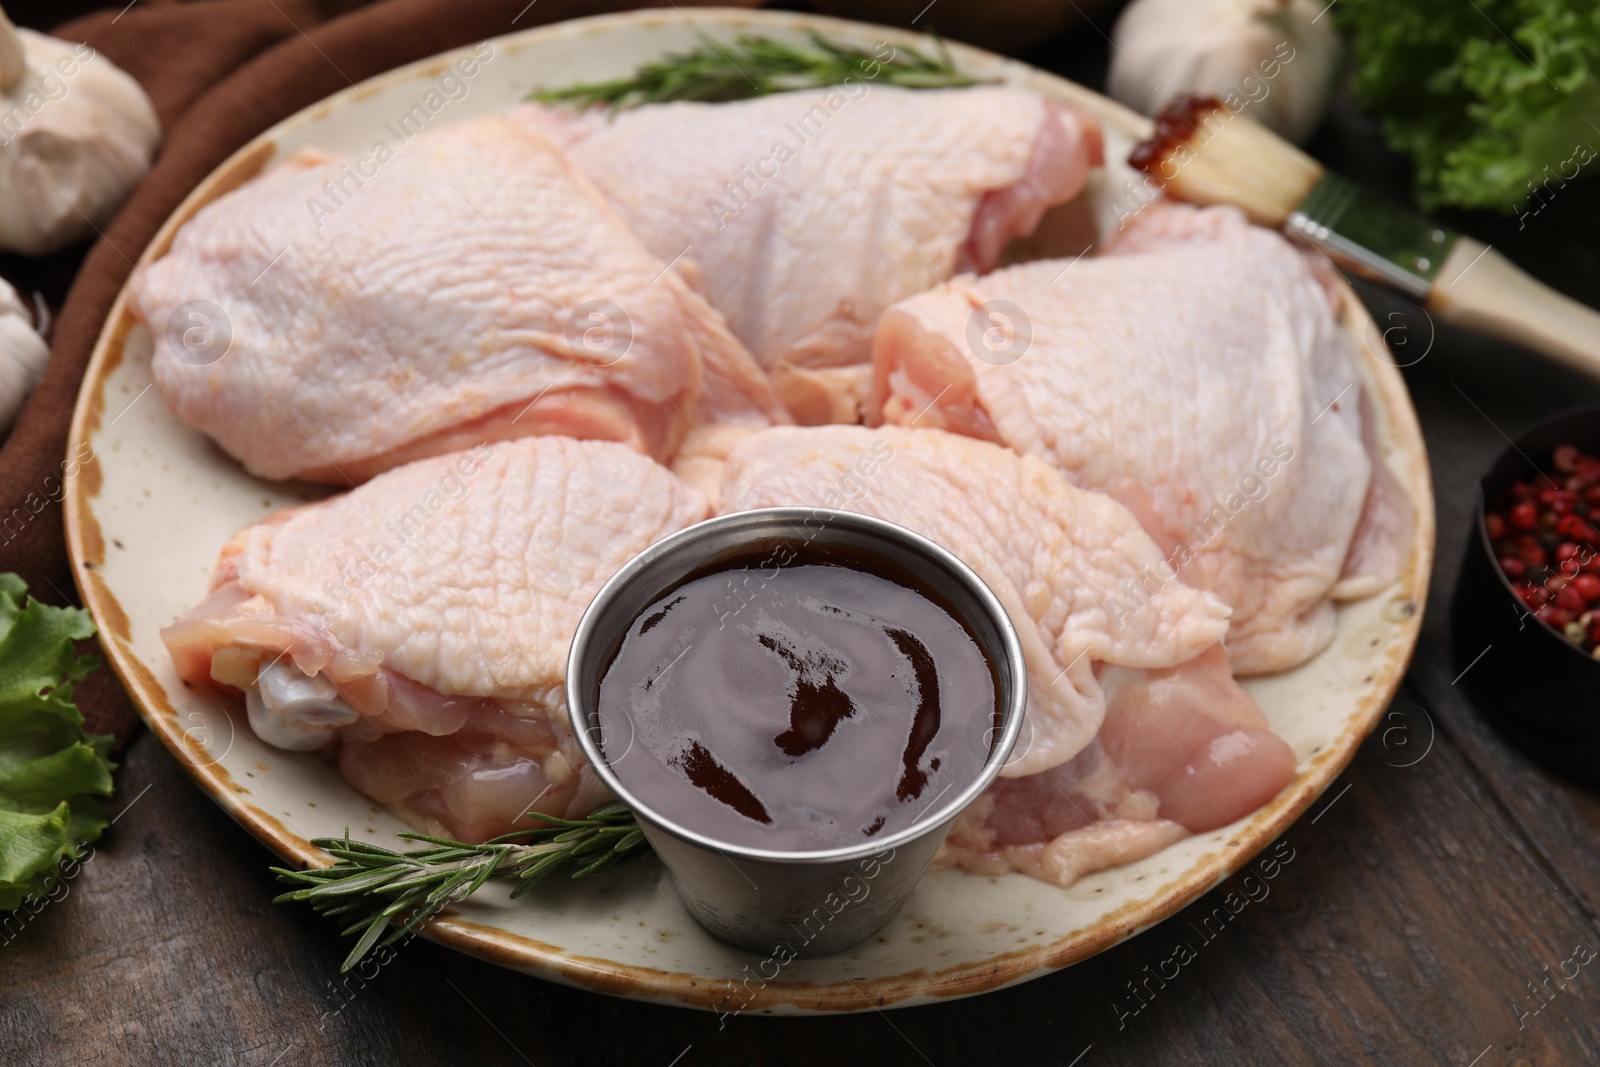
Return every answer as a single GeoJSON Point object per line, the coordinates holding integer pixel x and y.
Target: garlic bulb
{"type": "Point", "coordinates": [22, 355]}
{"type": "Point", "coordinates": [1276, 58]}
{"type": "Point", "coordinates": [76, 135]}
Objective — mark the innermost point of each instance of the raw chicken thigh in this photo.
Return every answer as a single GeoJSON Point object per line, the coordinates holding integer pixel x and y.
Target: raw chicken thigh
{"type": "Point", "coordinates": [803, 215]}
{"type": "Point", "coordinates": [1136, 733]}
{"type": "Point", "coordinates": [463, 287]}
{"type": "Point", "coordinates": [423, 621]}
{"type": "Point", "coordinates": [1198, 373]}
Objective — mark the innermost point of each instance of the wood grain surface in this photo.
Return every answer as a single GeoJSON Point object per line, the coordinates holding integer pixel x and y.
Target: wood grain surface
{"type": "Point", "coordinates": [1418, 915]}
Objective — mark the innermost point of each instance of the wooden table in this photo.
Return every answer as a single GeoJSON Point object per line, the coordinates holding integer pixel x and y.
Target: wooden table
{"type": "Point", "coordinates": [1435, 888]}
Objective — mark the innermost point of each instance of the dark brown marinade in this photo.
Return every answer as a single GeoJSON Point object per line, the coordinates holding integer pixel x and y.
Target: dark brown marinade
{"type": "Point", "coordinates": [794, 697]}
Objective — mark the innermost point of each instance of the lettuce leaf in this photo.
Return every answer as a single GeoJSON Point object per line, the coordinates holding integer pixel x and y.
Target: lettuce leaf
{"type": "Point", "coordinates": [1497, 101]}
{"type": "Point", "coordinates": [50, 769]}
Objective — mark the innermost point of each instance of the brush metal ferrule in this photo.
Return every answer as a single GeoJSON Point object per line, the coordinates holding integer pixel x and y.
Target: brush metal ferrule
{"type": "Point", "coordinates": [1368, 235]}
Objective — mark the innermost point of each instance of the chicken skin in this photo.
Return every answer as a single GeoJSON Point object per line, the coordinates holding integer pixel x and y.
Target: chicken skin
{"type": "Point", "coordinates": [326, 326]}
{"type": "Point", "coordinates": [419, 625]}
{"type": "Point", "coordinates": [803, 215]}
{"type": "Point", "coordinates": [1197, 373]}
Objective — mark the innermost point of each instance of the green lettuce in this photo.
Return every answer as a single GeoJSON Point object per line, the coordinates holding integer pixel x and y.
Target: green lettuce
{"type": "Point", "coordinates": [1496, 101]}
{"type": "Point", "coordinates": [50, 769]}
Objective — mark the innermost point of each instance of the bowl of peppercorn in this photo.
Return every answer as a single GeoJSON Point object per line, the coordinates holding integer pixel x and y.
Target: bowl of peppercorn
{"type": "Point", "coordinates": [1527, 607]}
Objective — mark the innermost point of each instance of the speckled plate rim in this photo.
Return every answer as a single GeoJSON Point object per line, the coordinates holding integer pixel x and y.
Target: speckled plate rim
{"type": "Point", "coordinates": [1400, 435]}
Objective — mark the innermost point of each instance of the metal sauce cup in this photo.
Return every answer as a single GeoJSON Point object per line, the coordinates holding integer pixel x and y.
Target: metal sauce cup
{"type": "Point", "coordinates": [793, 903]}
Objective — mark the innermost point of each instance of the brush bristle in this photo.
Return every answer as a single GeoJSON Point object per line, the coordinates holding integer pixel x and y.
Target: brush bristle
{"type": "Point", "coordinates": [1206, 154]}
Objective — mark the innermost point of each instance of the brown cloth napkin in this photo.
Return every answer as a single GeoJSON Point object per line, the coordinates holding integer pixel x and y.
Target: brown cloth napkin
{"type": "Point", "coordinates": [219, 72]}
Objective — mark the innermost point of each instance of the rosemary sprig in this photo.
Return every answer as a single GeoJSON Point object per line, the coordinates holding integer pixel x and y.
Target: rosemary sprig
{"type": "Point", "coordinates": [383, 889]}
{"type": "Point", "coordinates": [759, 66]}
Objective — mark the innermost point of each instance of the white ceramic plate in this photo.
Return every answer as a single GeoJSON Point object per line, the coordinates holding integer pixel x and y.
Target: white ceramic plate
{"type": "Point", "coordinates": [154, 502]}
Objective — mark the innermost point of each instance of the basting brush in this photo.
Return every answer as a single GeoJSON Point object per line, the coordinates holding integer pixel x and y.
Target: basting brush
{"type": "Point", "coordinates": [1206, 154]}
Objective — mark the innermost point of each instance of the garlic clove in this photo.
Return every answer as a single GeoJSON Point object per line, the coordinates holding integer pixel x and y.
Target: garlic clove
{"type": "Point", "coordinates": [76, 135]}
{"type": "Point", "coordinates": [23, 354]}
{"type": "Point", "coordinates": [1278, 59]}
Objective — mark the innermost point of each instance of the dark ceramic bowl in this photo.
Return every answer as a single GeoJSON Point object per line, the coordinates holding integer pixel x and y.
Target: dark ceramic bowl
{"type": "Point", "coordinates": [1541, 688]}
